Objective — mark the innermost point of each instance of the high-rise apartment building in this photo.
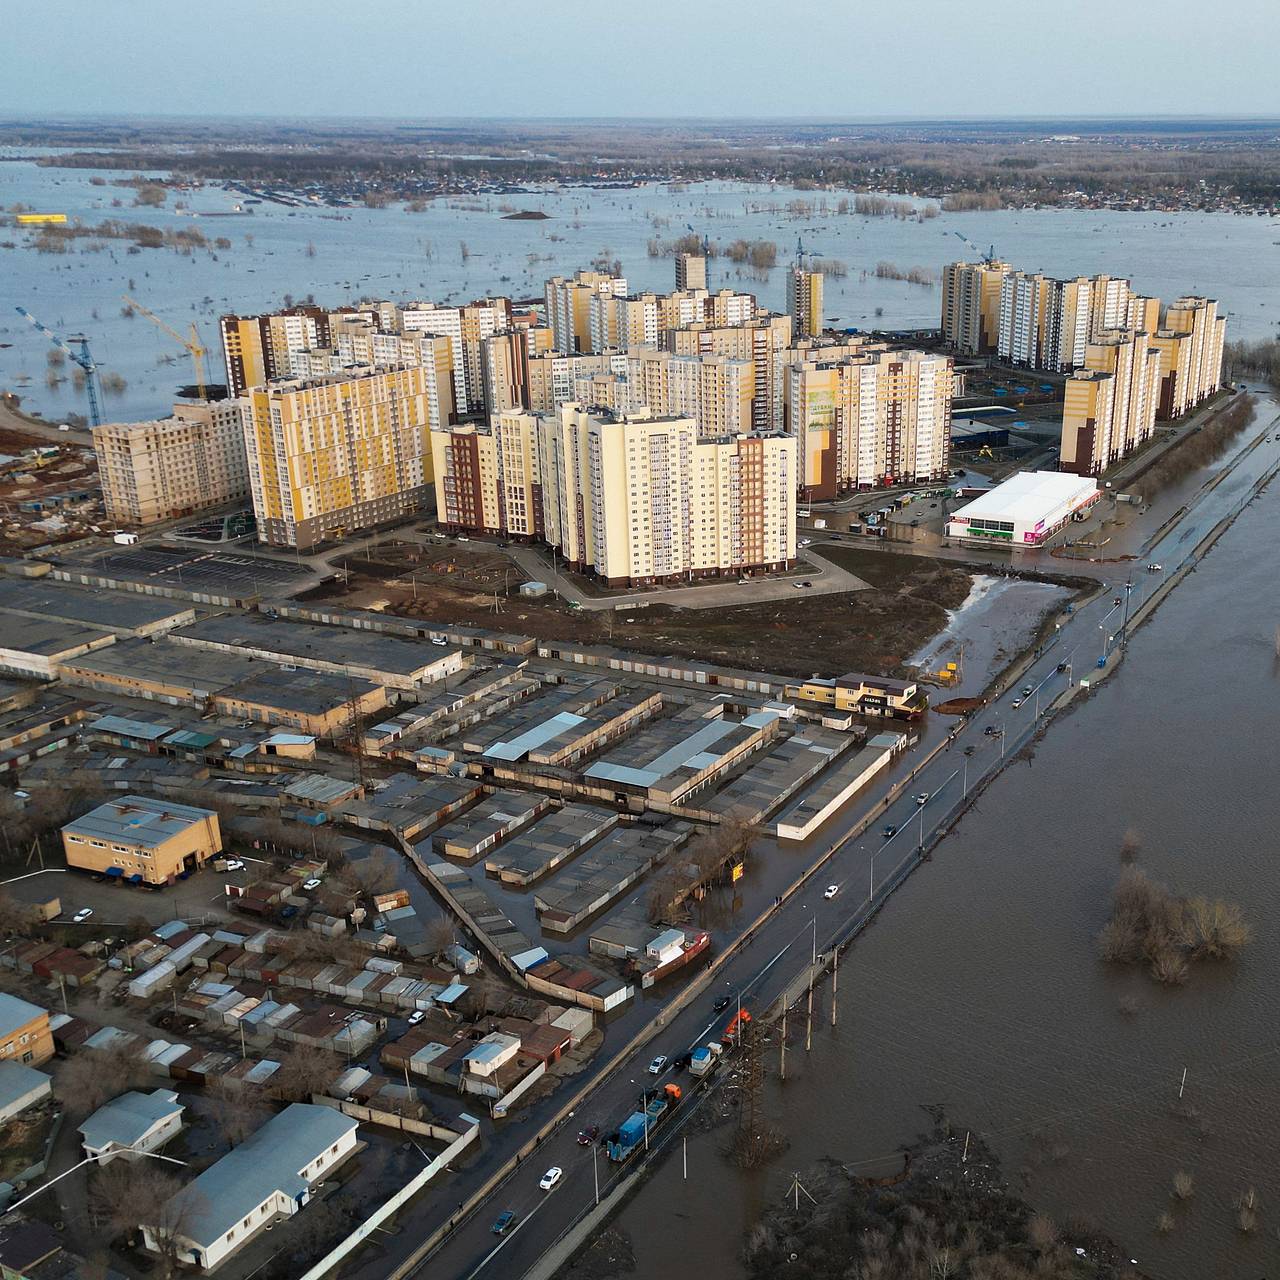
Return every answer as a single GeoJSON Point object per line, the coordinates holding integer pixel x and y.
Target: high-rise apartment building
{"type": "Point", "coordinates": [633, 498]}
{"type": "Point", "coordinates": [876, 418]}
{"type": "Point", "coordinates": [971, 305]}
{"type": "Point", "coordinates": [1110, 404]}
{"type": "Point", "coordinates": [1198, 318]}
{"type": "Point", "coordinates": [330, 456]}
{"type": "Point", "coordinates": [568, 307]}
{"type": "Point", "coordinates": [554, 378]}
{"type": "Point", "coordinates": [256, 349]}
{"type": "Point", "coordinates": [466, 327]}
{"type": "Point", "coordinates": [153, 471]}
{"type": "Point", "coordinates": [804, 300]}
{"type": "Point", "coordinates": [762, 340]}
{"type": "Point", "coordinates": [505, 358]}
{"type": "Point", "coordinates": [691, 271]}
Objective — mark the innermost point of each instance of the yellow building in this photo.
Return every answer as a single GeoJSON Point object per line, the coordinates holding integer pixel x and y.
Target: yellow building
{"type": "Point", "coordinates": [143, 839]}
{"type": "Point", "coordinates": [41, 219]}
{"type": "Point", "coordinates": [1198, 318]}
{"type": "Point", "coordinates": [568, 307]}
{"type": "Point", "coordinates": [331, 456]}
{"type": "Point", "coordinates": [804, 301]}
{"type": "Point", "coordinates": [864, 695]}
{"type": "Point", "coordinates": [691, 271]}
{"type": "Point", "coordinates": [763, 340]}
{"type": "Point", "coordinates": [256, 349]}
{"type": "Point", "coordinates": [505, 357]}
{"type": "Point", "coordinates": [24, 1032]}
{"type": "Point", "coordinates": [153, 471]}
{"type": "Point", "coordinates": [874, 418]}
{"type": "Point", "coordinates": [1110, 405]}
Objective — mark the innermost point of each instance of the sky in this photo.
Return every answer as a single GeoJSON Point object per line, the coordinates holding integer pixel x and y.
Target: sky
{"type": "Point", "coordinates": [420, 59]}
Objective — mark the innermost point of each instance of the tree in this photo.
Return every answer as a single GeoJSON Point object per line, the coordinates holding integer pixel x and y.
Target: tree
{"type": "Point", "coordinates": [304, 1070]}
{"type": "Point", "coordinates": [440, 933]}
{"type": "Point", "coordinates": [128, 1194]}
{"type": "Point", "coordinates": [377, 873]}
{"type": "Point", "coordinates": [17, 919]}
{"type": "Point", "coordinates": [95, 1076]}
{"type": "Point", "coordinates": [235, 1111]}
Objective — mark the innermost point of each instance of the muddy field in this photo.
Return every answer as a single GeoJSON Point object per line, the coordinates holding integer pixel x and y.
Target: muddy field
{"type": "Point", "coordinates": [871, 631]}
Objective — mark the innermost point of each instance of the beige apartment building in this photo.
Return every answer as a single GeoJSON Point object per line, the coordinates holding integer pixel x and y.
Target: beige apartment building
{"type": "Point", "coordinates": [554, 378]}
{"type": "Point", "coordinates": [1110, 404]}
{"type": "Point", "coordinates": [466, 327]}
{"type": "Point", "coordinates": [1205, 331]}
{"type": "Point", "coordinates": [971, 305]}
{"type": "Point", "coordinates": [505, 357]}
{"type": "Point", "coordinates": [634, 498]}
{"type": "Point", "coordinates": [691, 271]}
{"type": "Point", "coordinates": [161, 470]}
{"type": "Point", "coordinates": [568, 307]}
{"type": "Point", "coordinates": [873, 418]}
{"type": "Point", "coordinates": [331, 456]}
{"type": "Point", "coordinates": [762, 340]}
{"type": "Point", "coordinates": [804, 301]}
{"type": "Point", "coordinates": [142, 838]}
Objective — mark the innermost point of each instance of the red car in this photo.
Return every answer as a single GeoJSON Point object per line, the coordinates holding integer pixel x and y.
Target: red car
{"type": "Point", "coordinates": [588, 1135]}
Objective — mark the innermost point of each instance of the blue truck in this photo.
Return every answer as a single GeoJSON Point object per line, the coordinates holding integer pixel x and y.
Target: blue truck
{"type": "Point", "coordinates": [631, 1132]}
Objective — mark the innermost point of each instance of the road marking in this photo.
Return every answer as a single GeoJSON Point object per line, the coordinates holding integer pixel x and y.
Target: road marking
{"type": "Point", "coordinates": [510, 1235]}
{"type": "Point", "coordinates": [43, 872]}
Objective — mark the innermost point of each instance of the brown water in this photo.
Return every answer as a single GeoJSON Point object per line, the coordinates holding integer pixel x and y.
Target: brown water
{"type": "Point", "coordinates": [980, 989]}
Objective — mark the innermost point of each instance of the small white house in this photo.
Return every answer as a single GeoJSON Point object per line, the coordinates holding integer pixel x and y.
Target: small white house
{"type": "Point", "coordinates": [268, 1176]}
{"type": "Point", "coordinates": [132, 1124]}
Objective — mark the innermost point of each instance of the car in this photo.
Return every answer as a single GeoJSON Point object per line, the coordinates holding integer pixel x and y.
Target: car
{"type": "Point", "coordinates": [991, 731]}
{"type": "Point", "coordinates": [831, 890]}
{"type": "Point", "coordinates": [503, 1221]}
{"type": "Point", "coordinates": [888, 831]}
{"type": "Point", "coordinates": [804, 542]}
{"type": "Point", "coordinates": [806, 583]}
{"type": "Point", "coordinates": [655, 1067]}
{"type": "Point", "coordinates": [1062, 666]}
{"type": "Point", "coordinates": [82, 915]}
{"type": "Point", "coordinates": [416, 1017]}
{"type": "Point", "coordinates": [235, 864]}
{"type": "Point", "coordinates": [439, 640]}
{"type": "Point", "coordinates": [551, 1177]}
{"type": "Point", "coordinates": [922, 798]}
{"type": "Point", "coordinates": [1118, 601]}
{"type": "Point", "coordinates": [1016, 703]}
{"type": "Point", "coordinates": [1155, 568]}
{"type": "Point", "coordinates": [312, 883]}
{"type": "Point", "coordinates": [1028, 690]}
{"type": "Point", "coordinates": [462, 537]}
{"type": "Point", "coordinates": [722, 1004]}
{"type": "Point", "coordinates": [588, 1135]}
{"type": "Point", "coordinates": [64, 426]}
{"type": "Point", "coordinates": [799, 586]}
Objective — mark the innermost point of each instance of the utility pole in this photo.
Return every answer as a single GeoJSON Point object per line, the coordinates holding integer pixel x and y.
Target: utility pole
{"type": "Point", "coordinates": [595, 1169]}
{"type": "Point", "coordinates": [782, 1049]}
{"type": "Point", "coordinates": [813, 965]}
{"type": "Point", "coordinates": [1182, 1084]}
{"type": "Point", "coordinates": [835, 976]}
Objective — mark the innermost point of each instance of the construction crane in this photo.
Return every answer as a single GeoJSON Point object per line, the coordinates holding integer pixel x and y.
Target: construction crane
{"type": "Point", "coordinates": [706, 240]}
{"type": "Point", "coordinates": [192, 344]}
{"type": "Point", "coordinates": [989, 256]}
{"type": "Point", "coordinates": [81, 357]}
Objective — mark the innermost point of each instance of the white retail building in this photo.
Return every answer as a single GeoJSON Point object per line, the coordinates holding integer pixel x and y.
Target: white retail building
{"type": "Point", "coordinates": [1024, 510]}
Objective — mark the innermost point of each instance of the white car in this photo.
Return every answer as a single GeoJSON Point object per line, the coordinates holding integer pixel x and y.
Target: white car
{"type": "Point", "coordinates": [416, 1017]}
{"type": "Point", "coordinates": [831, 891]}
{"type": "Point", "coordinates": [313, 883]}
{"type": "Point", "coordinates": [922, 798]}
{"type": "Point", "coordinates": [234, 864]}
{"type": "Point", "coordinates": [82, 915]}
{"type": "Point", "coordinates": [655, 1067]}
{"type": "Point", "coordinates": [804, 542]}
{"type": "Point", "coordinates": [551, 1177]}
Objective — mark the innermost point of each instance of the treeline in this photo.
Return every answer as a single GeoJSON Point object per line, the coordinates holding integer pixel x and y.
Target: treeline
{"type": "Point", "coordinates": [1253, 360]}
{"type": "Point", "coordinates": [913, 275]}
{"type": "Point", "coordinates": [61, 238]}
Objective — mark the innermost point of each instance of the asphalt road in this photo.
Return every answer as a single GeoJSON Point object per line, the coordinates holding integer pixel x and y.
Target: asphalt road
{"type": "Point", "coordinates": [771, 960]}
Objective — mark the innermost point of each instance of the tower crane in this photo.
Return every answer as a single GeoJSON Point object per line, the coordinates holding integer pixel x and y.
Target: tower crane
{"type": "Point", "coordinates": [192, 344]}
{"type": "Point", "coordinates": [81, 357]}
{"type": "Point", "coordinates": [706, 241]}
{"type": "Point", "coordinates": [989, 256]}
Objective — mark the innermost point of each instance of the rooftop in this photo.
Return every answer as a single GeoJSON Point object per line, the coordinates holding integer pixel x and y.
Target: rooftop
{"type": "Point", "coordinates": [118, 611]}
{"type": "Point", "coordinates": [128, 1119]}
{"type": "Point", "coordinates": [1028, 496]}
{"type": "Point", "coordinates": [47, 637]}
{"type": "Point", "coordinates": [138, 820]}
{"type": "Point", "coordinates": [16, 1013]}
{"type": "Point", "coordinates": [268, 1162]}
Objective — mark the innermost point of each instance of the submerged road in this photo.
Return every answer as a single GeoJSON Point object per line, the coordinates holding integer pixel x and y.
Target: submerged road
{"type": "Point", "coordinates": [862, 866]}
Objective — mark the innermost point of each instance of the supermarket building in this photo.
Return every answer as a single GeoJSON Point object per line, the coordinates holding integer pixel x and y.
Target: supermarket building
{"type": "Point", "coordinates": [1025, 510]}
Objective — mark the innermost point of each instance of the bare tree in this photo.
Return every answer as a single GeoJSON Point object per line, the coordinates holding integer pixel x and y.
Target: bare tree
{"type": "Point", "coordinates": [304, 1070]}
{"type": "Point", "coordinates": [95, 1076]}
{"type": "Point", "coordinates": [378, 873]}
{"type": "Point", "coordinates": [440, 933]}
{"type": "Point", "coordinates": [17, 919]}
{"type": "Point", "coordinates": [128, 1194]}
{"type": "Point", "coordinates": [235, 1111]}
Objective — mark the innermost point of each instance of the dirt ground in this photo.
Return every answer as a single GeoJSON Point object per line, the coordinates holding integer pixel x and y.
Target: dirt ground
{"type": "Point", "coordinates": [872, 631]}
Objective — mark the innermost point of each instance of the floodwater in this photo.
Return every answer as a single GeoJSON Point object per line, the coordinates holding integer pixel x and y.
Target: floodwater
{"type": "Point", "coordinates": [979, 988]}
{"type": "Point", "coordinates": [339, 256]}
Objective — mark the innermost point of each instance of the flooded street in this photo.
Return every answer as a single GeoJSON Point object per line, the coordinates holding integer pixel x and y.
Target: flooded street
{"type": "Point", "coordinates": [980, 988]}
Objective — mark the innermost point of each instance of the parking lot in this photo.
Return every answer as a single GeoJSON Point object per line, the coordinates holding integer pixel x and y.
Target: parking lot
{"type": "Point", "coordinates": [239, 573]}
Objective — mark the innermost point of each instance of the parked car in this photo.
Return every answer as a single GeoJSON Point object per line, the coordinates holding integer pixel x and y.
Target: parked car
{"type": "Point", "coordinates": [831, 890]}
{"type": "Point", "coordinates": [655, 1067]}
{"type": "Point", "coordinates": [1155, 568]}
{"type": "Point", "coordinates": [82, 915]}
{"type": "Point", "coordinates": [235, 864]}
{"type": "Point", "coordinates": [1062, 666]}
{"type": "Point", "coordinates": [503, 1221]}
{"type": "Point", "coordinates": [551, 1177]}
{"type": "Point", "coordinates": [416, 1017]}
{"type": "Point", "coordinates": [312, 883]}
{"type": "Point", "coordinates": [588, 1135]}
{"type": "Point", "coordinates": [1028, 690]}
{"type": "Point", "coordinates": [722, 1004]}
{"type": "Point", "coordinates": [1016, 703]}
